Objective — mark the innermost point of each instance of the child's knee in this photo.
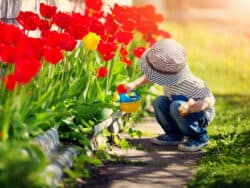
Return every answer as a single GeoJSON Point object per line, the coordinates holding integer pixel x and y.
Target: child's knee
{"type": "Point", "coordinates": [160, 103]}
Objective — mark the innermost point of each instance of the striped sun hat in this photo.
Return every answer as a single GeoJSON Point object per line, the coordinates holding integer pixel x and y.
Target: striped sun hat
{"type": "Point", "coordinates": [165, 63]}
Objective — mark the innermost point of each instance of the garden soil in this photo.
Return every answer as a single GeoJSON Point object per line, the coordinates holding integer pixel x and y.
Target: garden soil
{"type": "Point", "coordinates": [148, 166]}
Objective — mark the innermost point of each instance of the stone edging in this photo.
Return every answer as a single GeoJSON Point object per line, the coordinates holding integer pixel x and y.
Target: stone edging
{"type": "Point", "coordinates": [61, 157]}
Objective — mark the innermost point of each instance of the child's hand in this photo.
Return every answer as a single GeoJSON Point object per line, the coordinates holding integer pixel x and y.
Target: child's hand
{"type": "Point", "coordinates": [130, 86]}
{"type": "Point", "coordinates": [197, 106]}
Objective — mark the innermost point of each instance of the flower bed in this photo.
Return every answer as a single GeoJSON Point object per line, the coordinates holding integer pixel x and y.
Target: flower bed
{"type": "Point", "coordinates": [66, 78]}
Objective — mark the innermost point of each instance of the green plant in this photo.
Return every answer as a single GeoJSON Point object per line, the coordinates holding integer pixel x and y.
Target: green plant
{"type": "Point", "coordinates": [22, 165]}
{"type": "Point", "coordinates": [81, 168]}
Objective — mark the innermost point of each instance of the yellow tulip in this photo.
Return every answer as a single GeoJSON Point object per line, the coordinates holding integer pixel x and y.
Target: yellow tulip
{"type": "Point", "coordinates": [91, 40]}
{"type": "Point", "coordinates": [115, 97]}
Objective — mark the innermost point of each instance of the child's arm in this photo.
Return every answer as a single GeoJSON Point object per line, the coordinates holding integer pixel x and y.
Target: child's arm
{"type": "Point", "coordinates": [137, 83]}
{"type": "Point", "coordinates": [201, 105]}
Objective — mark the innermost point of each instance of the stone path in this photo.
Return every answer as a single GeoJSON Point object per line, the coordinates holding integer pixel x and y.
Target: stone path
{"type": "Point", "coordinates": [150, 167]}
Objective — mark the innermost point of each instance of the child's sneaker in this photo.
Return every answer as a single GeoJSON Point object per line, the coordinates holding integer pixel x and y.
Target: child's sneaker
{"type": "Point", "coordinates": [167, 140]}
{"type": "Point", "coordinates": [192, 145]}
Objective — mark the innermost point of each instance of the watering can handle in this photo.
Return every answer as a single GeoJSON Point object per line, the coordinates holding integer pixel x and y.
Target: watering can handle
{"type": "Point", "coordinates": [136, 93]}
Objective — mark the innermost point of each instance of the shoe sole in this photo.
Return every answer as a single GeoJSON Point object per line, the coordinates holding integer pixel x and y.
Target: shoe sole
{"type": "Point", "coordinates": [163, 143]}
{"type": "Point", "coordinates": [182, 147]}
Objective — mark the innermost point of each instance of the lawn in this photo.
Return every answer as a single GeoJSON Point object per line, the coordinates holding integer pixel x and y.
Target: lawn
{"type": "Point", "coordinates": [221, 58]}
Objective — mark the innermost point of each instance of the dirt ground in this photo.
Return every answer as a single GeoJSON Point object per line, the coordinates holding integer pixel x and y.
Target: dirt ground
{"type": "Point", "coordinates": [147, 167]}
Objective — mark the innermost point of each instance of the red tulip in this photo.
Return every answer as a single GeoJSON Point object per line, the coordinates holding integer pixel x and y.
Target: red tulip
{"type": "Point", "coordinates": [62, 40]}
{"type": "Point", "coordinates": [127, 61]}
{"type": "Point", "coordinates": [123, 51]}
{"type": "Point", "coordinates": [29, 20]}
{"type": "Point", "coordinates": [110, 26]}
{"type": "Point", "coordinates": [129, 25]}
{"type": "Point", "coordinates": [108, 56]}
{"type": "Point", "coordinates": [26, 69]}
{"type": "Point", "coordinates": [67, 42]}
{"type": "Point", "coordinates": [10, 34]}
{"type": "Point", "coordinates": [106, 50]}
{"type": "Point", "coordinates": [29, 47]}
{"type": "Point", "coordinates": [121, 13]}
{"type": "Point", "coordinates": [124, 37]}
{"type": "Point", "coordinates": [139, 51]}
{"type": "Point", "coordinates": [8, 54]}
{"type": "Point", "coordinates": [53, 55]}
{"type": "Point", "coordinates": [62, 20]}
{"type": "Point", "coordinates": [96, 27]}
{"type": "Point", "coordinates": [79, 26]}
{"type": "Point", "coordinates": [44, 25]}
{"type": "Point", "coordinates": [47, 11]}
{"type": "Point", "coordinates": [165, 34]}
{"type": "Point", "coordinates": [94, 5]}
{"type": "Point", "coordinates": [9, 82]}
{"type": "Point", "coordinates": [121, 89]}
{"type": "Point", "coordinates": [102, 72]}
{"type": "Point", "coordinates": [78, 30]}
{"type": "Point", "coordinates": [143, 18]}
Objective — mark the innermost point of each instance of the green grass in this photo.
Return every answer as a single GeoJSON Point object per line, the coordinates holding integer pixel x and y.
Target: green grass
{"type": "Point", "coordinates": [222, 59]}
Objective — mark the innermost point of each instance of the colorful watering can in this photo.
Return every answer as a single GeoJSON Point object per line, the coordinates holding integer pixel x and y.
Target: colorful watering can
{"type": "Point", "coordinates": [130, 102]}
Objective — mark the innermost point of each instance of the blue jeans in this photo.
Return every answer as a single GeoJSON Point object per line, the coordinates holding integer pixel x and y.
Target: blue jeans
{"type": "Point", "coordinates": [194, 125]}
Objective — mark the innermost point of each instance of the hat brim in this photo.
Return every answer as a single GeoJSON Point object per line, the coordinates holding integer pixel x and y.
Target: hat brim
{"type": "Point", "coordinates": [160, 78]}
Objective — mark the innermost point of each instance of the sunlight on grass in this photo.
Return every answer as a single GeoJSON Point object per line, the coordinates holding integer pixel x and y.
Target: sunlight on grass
{"type": "Point", "coordinates": [221, 59]}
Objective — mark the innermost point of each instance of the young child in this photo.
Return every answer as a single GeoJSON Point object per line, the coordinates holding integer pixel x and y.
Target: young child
{"type": "Point", "coordinates": [187, 106]}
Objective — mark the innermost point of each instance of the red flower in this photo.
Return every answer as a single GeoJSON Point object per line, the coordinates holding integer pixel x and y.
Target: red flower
{"type": "Point", "coordinates": [47, 11]}
{"type": "Point", "coordinates": [94, 5]}
{"type": "Point", "coordinates": [102, 72]}
{"type": "Point", "coordinates": [26, 69]}
{"type": "Point", "coordinates": [79, 26]}
{"type": "Point", "coordinates": [31, 48]}
{"type": "Point", "coordinates": [143, 18]}
{"type": "Point", "coordinates": [121, 13]}
{"type": "Point", "coordinates": [29, 20]}
{"type": "Point", "coordinates": [111, 26]}
{"type": "Point", "coordinates": [68, 42]}
{"type": "Point", "coordinates": [62, 20]}
{"type": "Point", "coordinates": [52, 55]}
{"type": "Point", "coordinates": [123, 51]}
{"type": "Point", "coordinates": [106, 47]}
{"type": "Point", "coordinates": [124, 37]}
{"type": "Point", "coordinates": [121, 89]}
{"type": "Point", "coordinates": [139, 51]}
{"type": "Point", "coordinates": [129, 25]}
{"type": "Point", "coordinates": [8, 54]}
{"type": "Point", "coordinates": [11, 34]}
{"type": "Point", "coordinates": [164, 34]}
{"type": "Point", "coordinates": [44, 25]}
{"type": "Point", "coordinates": [106, 50]}
{"type": "Point", "coordinates": [108, 56]}
{"type": "Point", "coordinates": [127, 61]}
{"type": "Point", "coordinates": [62, 40]}
{"type": "Point", "coordinates": [9, 82]}
{"type": "Point", "coordinates": [96, 27]}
